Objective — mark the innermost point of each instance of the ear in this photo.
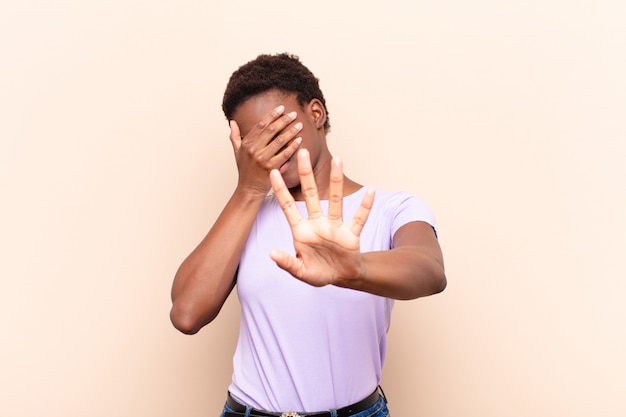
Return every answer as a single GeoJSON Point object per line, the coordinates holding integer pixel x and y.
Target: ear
{"type": "Point", "coordinates": [317, 112]}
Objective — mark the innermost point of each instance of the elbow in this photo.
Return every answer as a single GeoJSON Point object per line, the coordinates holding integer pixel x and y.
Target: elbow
{"type": "Point", "coordinates": [438, 280]}
{"type": "Point", "coordinates": [440, 283]}
{"type": "Point", "coordinates": [184, 323]}
{"type": "Point", "coordinates": [187, 321]}
{"type": "Point", "coordinates": [435, 284]}
{"type": "Point", "coordinates": [184, 326]}
{"type": "Point", "coordinates": [424, 286]}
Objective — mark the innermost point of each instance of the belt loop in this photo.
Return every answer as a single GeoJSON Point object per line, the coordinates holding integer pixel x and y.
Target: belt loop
{"type": "Point", "coordinates": [333, 412]}
{"type": "Point", "coordinates": [248, 410]}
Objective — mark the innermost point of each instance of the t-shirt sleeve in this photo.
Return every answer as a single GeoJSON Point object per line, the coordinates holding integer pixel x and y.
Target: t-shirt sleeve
{"type": "Point", "coordinates": [410, 208]}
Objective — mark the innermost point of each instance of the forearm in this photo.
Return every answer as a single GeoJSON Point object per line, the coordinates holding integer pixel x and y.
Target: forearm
{"type": "Point", "coordinates": [207, 276]}
{"type": "Point", "coordinates": [402, 273]}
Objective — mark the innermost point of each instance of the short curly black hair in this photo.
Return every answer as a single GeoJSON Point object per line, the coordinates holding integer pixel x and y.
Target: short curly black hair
{"type": "Point", "coordinates": [283, 72]}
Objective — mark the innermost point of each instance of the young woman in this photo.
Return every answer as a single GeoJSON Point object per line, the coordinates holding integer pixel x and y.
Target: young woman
{"type": "Point", "coordinates": [317, 258]}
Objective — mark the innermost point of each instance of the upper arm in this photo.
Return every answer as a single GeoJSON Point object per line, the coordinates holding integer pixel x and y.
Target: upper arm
{"type": "Point", "coordinates": [421, 236]}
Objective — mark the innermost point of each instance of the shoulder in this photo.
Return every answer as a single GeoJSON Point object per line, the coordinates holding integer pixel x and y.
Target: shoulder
{"type": "Point", "coordinates": [403, 207]}
{"type": "Point", "coordinates": [399, 199]}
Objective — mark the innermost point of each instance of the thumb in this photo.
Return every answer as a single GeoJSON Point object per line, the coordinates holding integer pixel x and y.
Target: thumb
{"type": "Point", "coordinates": [285, 261]}
{"type": "Point", "coordinates": [235, 135]}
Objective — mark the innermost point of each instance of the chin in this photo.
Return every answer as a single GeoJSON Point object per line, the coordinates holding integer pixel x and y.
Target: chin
{"type": "Point", "coordinates": [291, 177]}
{"type": "Point", "coordinates": [292, 185]}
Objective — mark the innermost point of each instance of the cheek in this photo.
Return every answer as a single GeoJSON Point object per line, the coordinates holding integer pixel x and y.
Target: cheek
{"type": "Point", "coordinates": [310, 142]}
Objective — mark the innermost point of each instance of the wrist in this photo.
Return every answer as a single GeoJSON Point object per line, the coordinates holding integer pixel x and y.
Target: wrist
{"type": "Point", "coordinates": [354, 277]}
{"type": "Point", "coordinates": [249, 192]}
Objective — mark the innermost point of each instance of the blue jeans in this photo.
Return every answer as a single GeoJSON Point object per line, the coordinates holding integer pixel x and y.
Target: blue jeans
{"type": "Point", "coordinates": [379, 409]}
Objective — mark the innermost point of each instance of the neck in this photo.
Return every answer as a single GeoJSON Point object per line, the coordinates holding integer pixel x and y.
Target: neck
{"type": "Point", "coordinates": [349, 187]}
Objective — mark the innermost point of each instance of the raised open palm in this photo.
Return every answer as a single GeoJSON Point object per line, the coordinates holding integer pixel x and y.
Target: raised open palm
{"type": "Point", "coordinates": [327, 249]}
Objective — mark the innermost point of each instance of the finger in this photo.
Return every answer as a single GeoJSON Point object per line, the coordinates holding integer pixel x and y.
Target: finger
{"type": "Point", "coordinates": [362, 213]}
{"type": "Point", "coordinates": [285, 199]}
{"type": "Point", "coordinates": [335, 193]}
{"type": "Point", "coordinates": [235, 135]}
{"type": "Point", "coordinates": [287, 262]}
{"type": "Point", "coordinates": [307, 185]}
{"type": "Point", "coordinates": [284, 138]}
{"type": "Point", "coordinates": [271, 124]}
{"type": "Point", "coordinates": [283, 156]}
{"type": "Point", "coordinates": [277, 136]}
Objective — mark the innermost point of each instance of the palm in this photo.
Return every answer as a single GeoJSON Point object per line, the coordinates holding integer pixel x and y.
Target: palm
{"type": "Point", "coordinates": [327, 249]}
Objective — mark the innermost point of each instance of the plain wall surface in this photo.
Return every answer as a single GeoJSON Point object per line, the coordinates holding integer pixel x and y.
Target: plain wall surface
{"type": "Point", "coordinates": [508, 118]}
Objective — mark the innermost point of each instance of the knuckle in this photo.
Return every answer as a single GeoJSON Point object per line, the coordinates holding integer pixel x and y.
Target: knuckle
{"type": "Point", "coordinates": [304, 171]}
{"type": "Point", "coordinates": [279, 141]}
{"type": "Point", "coordinates": [335, 198]}
{"type": "Point", "coordinates": [288, 205]}
{"type": "Point", "coordinates": [285, 156]}
{"type": "Point", "coordinates": [258, 158]}
{"type": "Point", "coordinates": [309, 191]}
{"type": "Point", "coordinates": [250, 150]}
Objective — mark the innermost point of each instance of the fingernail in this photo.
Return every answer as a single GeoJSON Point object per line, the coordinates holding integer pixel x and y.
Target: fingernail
{"type": "Point", "coordinates": [279, 109]}
{"type": "Point", "coordinates": [298, 126]}
{"type": "Point", "coordinates": [292, 115]}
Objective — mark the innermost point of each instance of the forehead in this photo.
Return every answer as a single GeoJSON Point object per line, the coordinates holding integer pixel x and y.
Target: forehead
{"type": "Point", "coordinates": [259, 106]}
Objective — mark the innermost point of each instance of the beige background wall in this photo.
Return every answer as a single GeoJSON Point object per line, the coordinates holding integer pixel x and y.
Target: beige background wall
{"type": "Point", "coordinates": [508, 117]}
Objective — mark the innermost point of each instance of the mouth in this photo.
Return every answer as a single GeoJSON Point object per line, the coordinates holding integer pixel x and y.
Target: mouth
{"type": "Point", "coordinates": [284, 166]}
